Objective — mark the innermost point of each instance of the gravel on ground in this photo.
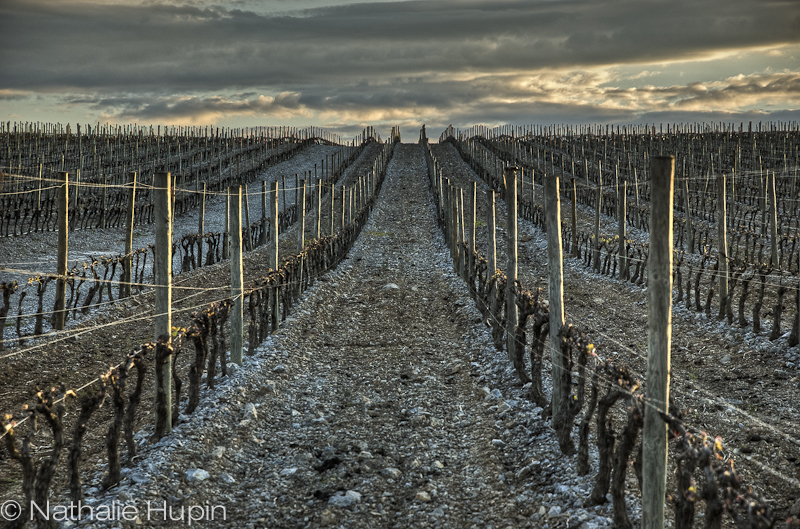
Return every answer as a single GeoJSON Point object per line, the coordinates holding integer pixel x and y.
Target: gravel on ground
{"type": "Point", "coordinates": [376, 405]}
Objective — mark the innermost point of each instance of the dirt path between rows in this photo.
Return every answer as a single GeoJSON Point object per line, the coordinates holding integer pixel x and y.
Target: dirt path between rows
{"type": "Point", "coordinates": [367, 408]}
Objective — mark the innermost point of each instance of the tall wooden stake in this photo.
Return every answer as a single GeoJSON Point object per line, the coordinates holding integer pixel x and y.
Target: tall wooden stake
{"type": "Point", "coordinates": [490, 221]}
{"type": "Point", "coordinates": [248, 235]}
{"type": "Point", "coordinates": [574, 219]}
{"type": "Point", "coordinates": [273, 254]}
{"type": "Point", "coordinates": [659, 341]}
{"type": "Point", "coordinates": [127, 263]}
{"type": "Point", "coordinates": [332, 219]}
{"type": "Point", "coordinates": [162, 275]}
{"type": "Point", "coordinates": [722, 236]}
{"type": "Point", "coordinates": [511, 253]}
{"type": "Point", "coordinates": [471, 222]}
{"type": "Point", "coordinates": [201, 226]}
{"type": "Point", "coordinates": [226, 243]}
{"type": "Point", "coordinates": [555, 284]}
{"type": "Point", "coordinates": [688, 215]}
{"type": "Point", "coordinates": [59, 314]}
{"type": "Point", "coordinates": [773, 219]}
{"type": "Point", "coordinates": [454, 231]}
{"type": "Point", "coordinates": [301, 238]}
{"type": "Point", "coordinates": [237, 293]}
{"type": "Point", "coordinates": [598, 205]}
{"type": "Point", "coordinates": [318, 200]}
{"type": "Point", "coordinates": [350, 204]}
{"type": "Point", "coordinates": [622, 200]}
{"type": "Point", "coordinates": [262, 239]}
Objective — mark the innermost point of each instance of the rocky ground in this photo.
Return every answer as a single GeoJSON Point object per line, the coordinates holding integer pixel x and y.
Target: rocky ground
{"type": "Point", "coordinates": [379, 404]}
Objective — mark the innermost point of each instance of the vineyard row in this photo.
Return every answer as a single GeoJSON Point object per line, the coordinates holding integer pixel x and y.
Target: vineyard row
{"type": "Point", "coordinates": [508, 308]}
{"type": "Point", "coordinates": [266, 301]}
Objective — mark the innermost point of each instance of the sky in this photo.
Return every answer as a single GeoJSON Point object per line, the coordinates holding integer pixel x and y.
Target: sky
{"type": "Point", "coordinates": [346, 64]}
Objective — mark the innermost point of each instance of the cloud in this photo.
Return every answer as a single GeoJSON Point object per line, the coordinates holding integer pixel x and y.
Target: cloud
{"type": "Point", "coordinates": [408, 62]}
{"type": "Point", "coordinates": [192, 109]}
{"type": "Point", "coordinates": [97, 46]}
{"type": "Point", "coordinates": [739, 93]}
{"type": "Point", "coordinates": [550, 96]}
{"type": "Point", "coordinates": [12, 95]}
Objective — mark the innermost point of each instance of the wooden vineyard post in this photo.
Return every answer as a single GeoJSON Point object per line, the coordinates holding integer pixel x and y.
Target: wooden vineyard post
{"type": "Point", "coordinates": [356, 195]}
{"type": "Point", "coordinates": [105, 200]}
{"type": "Point", "coordinates": [762, 190]}
{"type": "Point", "coordinates": [773, 219]}
{"type": "Point", "coordinates": [636, 197]}
{"type": "Point", "coordinates": [201, 227]}
{"type": "Point", "coordinates": [59, 314]}
{"type": "Point", "coordinates": [75, 199]}
{"type": "Point", "coordinates": [453, 224]}
{"type": "Point", "coordinates": [350, 203]}
{"type": "Point", "coordinates": [722, 235]}
{"type": "Point", "coordinates": [248, 238]}
{"type": "Point", "coordinates": [659, 340]}
{"type": "Point", "coordinates": [332, 219]}
{"type": "Point", "coordinates": [511, 253]}
{"type": "Point", "coordinates": [575, 253]}
{"type": "Point", "coordinates": [318, 199]}
{"type": "Point", "coordinates": [446, 215]}
{"type": "Point", "coordinates": [440, 186]}
{"type": "Point", "coordinates": [471, 222]}
{"type": "Point", "coordinates": [162, 275]}
{"type": "Point", "coordinates": [533, 189]}
{"type": "Point", "coordinates": [226, 242]}
{"type": "Point", "coordinates": [555, 284]}
{"type": "Point", "coordinates": [688, 215]}
{"type": "Point", "coordinates": [362, 188]}
{"type": "Point", "coordinates": [262, 239]}
{"type": "Point", "coordinates": [598, 204]}
{"type": "Point", "coordinates": [621, 215]}
{"type": "Point", "coordinates": [173, 185]}
{"type": "Point", "coordinates": [301, 238]}
{"type": "Point", "coordinates": [453, 212]}
{"type": "Point", "coordinates": [273, 254]}
{"type": "Point", "coordinates": [371, 185]}
{"type": "Point", "coordinates": [490, 221]}
{"type": "Point", "coordinates": [127, 263]}
{"type": "Point", "coordinates": [462, 236]}
{"type": "Point", "coordinates": [39, 194]}
{"type": "Point", "coordinates": [344, 205]}
{"type": "Point", "coordinates": [237, 293]}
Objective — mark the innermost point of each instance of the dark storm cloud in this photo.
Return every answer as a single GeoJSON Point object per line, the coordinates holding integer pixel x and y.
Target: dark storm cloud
{"type": "Point", "coordinates": [50, 45]}
{"type": "Point", "coordinates": [180, 108]}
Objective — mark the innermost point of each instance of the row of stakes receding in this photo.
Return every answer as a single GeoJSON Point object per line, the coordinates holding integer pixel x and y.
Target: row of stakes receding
{"type": "Point", "coordinates": [704, 471]}
{"type": "Point", "coordinates": [712, 258]}
{"type": "Point", "coordinates": [127, 271]}
{"type": "Point", "coordinates": [225, 331]}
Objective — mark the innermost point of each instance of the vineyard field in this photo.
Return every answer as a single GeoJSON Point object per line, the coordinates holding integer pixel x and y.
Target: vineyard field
{"type": "Point", "coordinates": [397, 326]}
